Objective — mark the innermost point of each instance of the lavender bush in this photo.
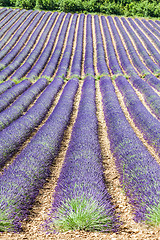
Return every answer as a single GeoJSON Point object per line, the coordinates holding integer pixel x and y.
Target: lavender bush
{"type": "Point", "coordinates": [20, 183]}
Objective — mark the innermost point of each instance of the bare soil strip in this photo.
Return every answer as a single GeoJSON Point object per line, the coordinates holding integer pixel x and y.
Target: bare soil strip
{"type": "Point", "coordinates": [84, 47]}
{"type": "Point", "coordinates": [94, 47]}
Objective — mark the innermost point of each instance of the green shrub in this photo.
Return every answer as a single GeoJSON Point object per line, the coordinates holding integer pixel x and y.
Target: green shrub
{"type": "Point", "coordinates": [27, 4]}
{"type": "Point", "coordinates": [70, 5]}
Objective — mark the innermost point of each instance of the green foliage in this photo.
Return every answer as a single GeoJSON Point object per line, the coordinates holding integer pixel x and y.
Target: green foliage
{"type": "Point", "coordinates": [140, 8]}
{"type": "Point", "coordinates": [80, 214]}
{"type": "Point", "coordinates": [153, 218]}
{"type": "Point", "coordinates": [27, 4]}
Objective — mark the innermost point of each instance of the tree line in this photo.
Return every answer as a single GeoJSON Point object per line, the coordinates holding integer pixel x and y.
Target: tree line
{"type": "Point", "coordinates": [141, 8]}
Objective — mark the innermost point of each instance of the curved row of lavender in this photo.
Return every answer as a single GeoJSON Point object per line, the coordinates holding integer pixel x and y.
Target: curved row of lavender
{"type": "Point", "coordinates": [22, 103]}
{"type": "Point", "coordinates": [23, 54]}
{"type": "Point", "coordinates": [77, 58]}
{"type": "Point", "coordinates": [149, 33]}
{"type": "Point", "coordinates": [88, 61]}
{"type": "Point", "coordinates": [5, 13]}
{"type": "Point", "coordinates": [151, 97]}
{"type": "Point", "coordinates": [22, 70]}
{"type": "Point", "coordinates": [18, 33]}
{"type": "Point", "coordinates": [16, 21]}
{"type": "Point", "coordinates": [11, 94]}
{"type": "Point", "coordinates": [148, 125]}
{"type": "Point", "coordinates": [139, 172]}
{"type": "Point", "coordinates": [151, 28]}
{"type": "Point", "coordinates": [6, 85]}
{"type": "Point", "coordinates": [81, 200]}
{"type": "Point", "coordinates": [10, 20]}
{"type": "Point", "coordinates": [141, 50]}
{"type": "Point", "coordinates": [151, 49]}
{"type": "Point", "coordinates": [42, 60]}
{"type": "Point", "coordinates": [20, 44]}
{"type": "Point", "coordinates": [21, 181]}
{"type": "Point", "coordinates": [154, 24]}
{"type": "Point", "coordinates": [51, 65]}
{"type": "Point", "coordinates": [13, 136]}
{"type": "Point", "coordinates": [25, 125]}
{"type": "Point", "coordinates": [26, 66]}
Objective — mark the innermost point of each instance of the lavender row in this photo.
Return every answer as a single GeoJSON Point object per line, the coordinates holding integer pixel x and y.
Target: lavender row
{"type": "Point", "coordinates": [77, 59]}
{"type": "Point", "coordinates": [17, 35]}
{"type": "Point", "coordinates": [112, 58]}
{"type": "Point", "coordinates": [88, 62]}
{"type": "Point", "coordinates": [16, 49]}
{"type": "Point", "coordinates": [149, 33]}
{"type": "Point", "coordinates": [2, 10]}
{"type": "Point", "coordinates": [51, 65]}
{"type": "Point", "coordinates": [23, 54]}
{"type": "Point", "coordinates": [68, 49]}
{"type": "Point", "coordinates": [21, 104]}
{"type": "Point", "coordinates": [11, 94]}
{"type": "Point", "coordinates": [15, 21]}
{"type": "Point", "coordinates": [151, 98]}
{"type": "Point", "coordinates": [21, 182]}
{"type": "Point", "coordinates": [154, 25]}
{"type": "Point", "coordinates": [150, 78]}
{"type": "Point", "coordinates": [39, 66]}
{"type": "Point", "coordinates": [13, 136]}
{"type": "Point", "coordinates": [6, 85]}
{"type": "Point", "coordinates": [22, 70]}
{"type": "Point", "coordinates": [141, 50]}
{"type": "Point", "coordinates": [9, 16]}
{"type": "Point", "coordinates": [143, 120]}
{"type": "Point", "coordinates": [81, 200]}
{"type": "Point", "coordinates": [139, 171]}
{"type": "Point", "coordinates": [151, 28]}
{"type": "Point", "coordinates": [101, 62]}
{"type": "Point", "coordinates": [151, 49]}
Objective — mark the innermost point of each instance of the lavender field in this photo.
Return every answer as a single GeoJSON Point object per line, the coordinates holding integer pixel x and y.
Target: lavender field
{"type": "Point", "coordinates": [79, 126]}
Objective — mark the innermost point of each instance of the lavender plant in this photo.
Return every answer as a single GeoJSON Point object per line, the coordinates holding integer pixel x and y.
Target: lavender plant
{"type": "Point", "coordinates": [21, 104]}
{"type": "Point", "coordinates": [40, 64]}
{"type": "Point", "coordinates": [139, 171]}
{"type": "Point", "coordinates": [81, 200]}
{"type": "Point", "coordinates": [22, 55]}
{"type": "Point", "coordinates": [9, 95]}
{"type": "Point", "coordinates": [20, 183]}
{"type": "Point", "coordinates": [151, 49]}
{"type": "Point", "coordinates": [51, 65]}
{"type": "Point", "coordinates": [6, 85]}
{"type": "Point", "coordinates": [16, 49]}
{"type": "Point", "coordinates": [18, 33]}
{"type": "Point", "coordinates": [151, 98]}
{"type": "Point", "coordinates": [22, 70]}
